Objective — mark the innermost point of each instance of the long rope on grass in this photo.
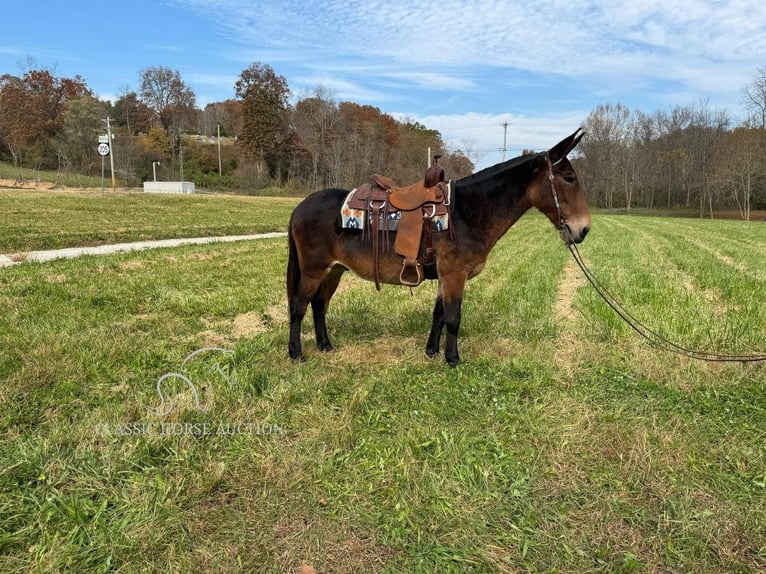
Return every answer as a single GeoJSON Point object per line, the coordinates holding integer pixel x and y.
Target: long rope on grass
{"type": "Point", "coordinates": [653, 337]}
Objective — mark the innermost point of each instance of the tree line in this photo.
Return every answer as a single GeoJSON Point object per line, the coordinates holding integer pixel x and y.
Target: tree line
{"type": "Point", "coordinates": [689, 157]}
{"type": "Point", "coordinates": [249, 142]}
{"type": "Point", "coordinates": [684, 157]}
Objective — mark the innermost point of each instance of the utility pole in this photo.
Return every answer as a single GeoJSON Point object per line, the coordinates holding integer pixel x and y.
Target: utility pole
{"type": "Point", "coordinates": [505, 134]}
{"type": "Point", "coordinates": [220, 171]}
{"type": "Point", "coordinates": [111, 150]}
{"type": "Point", "coordinates": [181, 156]}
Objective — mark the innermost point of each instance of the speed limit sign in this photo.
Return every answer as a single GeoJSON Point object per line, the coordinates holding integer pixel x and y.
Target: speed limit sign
{"type": "Point", "coordinates": [103, 149]}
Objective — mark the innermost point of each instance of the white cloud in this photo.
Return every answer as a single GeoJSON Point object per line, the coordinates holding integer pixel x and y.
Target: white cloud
{"type": "Point", "coordinates": [12, 51]}
{"type": "Point", "coordinates": [481, 135]}
{"type": "Point", "coordinates": [166, 47]}
{"type": "Point", "coordinates": [108, 96]}
{"type": "Point", "coordinates": [225, 81]}
{"type": "Point", "coordinates": [488, 54]}
{"type": "Point", "coordinates": [568, 38]}
{"type": "Point", "coordinates": [343, 90]}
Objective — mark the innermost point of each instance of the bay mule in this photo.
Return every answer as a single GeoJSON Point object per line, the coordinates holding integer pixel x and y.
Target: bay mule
{"type": "Point", "coordinates": [483, 207]}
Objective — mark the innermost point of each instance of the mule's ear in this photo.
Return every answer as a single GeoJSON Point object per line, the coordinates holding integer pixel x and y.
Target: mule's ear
{"type": "Point", "coordinates": [561, 149]}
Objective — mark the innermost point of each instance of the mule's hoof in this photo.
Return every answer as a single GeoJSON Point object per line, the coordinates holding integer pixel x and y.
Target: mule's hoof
{"type": "Point", "coordinates": [298, 359]}
{"type": "Point", "coordinates": [432, 353]}
{"type": "Point", "coordinates": [454, 362]}
{"type": "Point", "coordinates": [326, 348]}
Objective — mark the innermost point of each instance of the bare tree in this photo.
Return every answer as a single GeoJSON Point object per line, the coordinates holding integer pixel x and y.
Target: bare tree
{"type": "Point", "coordinates": [166, 94]}
{"type": "Point", "coordinates": [754, 96]}
{"type": "Point", "coordinates": [315, 120]}
{"type": "Point", "coordinates": [607, 149]}
{"type": "Point", "coordinates": [738, 166]}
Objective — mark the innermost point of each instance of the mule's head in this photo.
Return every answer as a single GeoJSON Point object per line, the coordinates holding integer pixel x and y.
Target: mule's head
{"type": "Point", "coordinates": [556, 191]}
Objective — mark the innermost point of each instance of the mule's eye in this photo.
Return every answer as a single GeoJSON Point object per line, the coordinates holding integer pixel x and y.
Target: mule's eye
{"type": "Point", "coordinates": [570, 178]}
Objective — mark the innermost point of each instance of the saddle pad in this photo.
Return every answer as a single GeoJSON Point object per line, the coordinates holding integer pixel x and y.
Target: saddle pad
{"type": "Point", "coordinates": [354, 218]}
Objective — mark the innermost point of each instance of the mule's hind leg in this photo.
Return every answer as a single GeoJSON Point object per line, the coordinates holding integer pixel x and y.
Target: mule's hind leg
{"type": "Point", "coordinates": [305, 291]}
{"type": "Point", "coordinates": [319, 304]}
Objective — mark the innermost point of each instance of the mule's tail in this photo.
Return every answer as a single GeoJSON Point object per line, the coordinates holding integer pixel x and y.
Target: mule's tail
{"type": "Point", "coordinates": [293, 267]}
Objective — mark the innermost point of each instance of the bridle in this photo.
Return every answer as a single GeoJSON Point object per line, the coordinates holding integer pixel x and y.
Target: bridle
{"type": "Point", "coordinates": [554, 193]}
{"type": "Point", "coordinates": [653, 337]}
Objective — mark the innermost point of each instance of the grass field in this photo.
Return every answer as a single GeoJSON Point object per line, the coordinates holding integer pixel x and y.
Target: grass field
{"type": "Point", "coordinates": [562, 444]}
{"type": "Point", "coordinates": [34, 220]}
{"type": "Point", "coordinates": [47, 178]}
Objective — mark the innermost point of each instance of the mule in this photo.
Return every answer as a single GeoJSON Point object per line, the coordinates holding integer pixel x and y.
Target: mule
{"type": "Point", "coordinates": [484, 207]}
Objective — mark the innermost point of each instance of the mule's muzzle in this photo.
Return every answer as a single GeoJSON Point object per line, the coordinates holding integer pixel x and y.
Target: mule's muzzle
{"type": "Point", "coordinates": [574, 234]}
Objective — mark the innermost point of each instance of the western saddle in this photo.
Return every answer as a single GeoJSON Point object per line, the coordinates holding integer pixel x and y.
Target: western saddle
{"type": "Point", "coordinates": [417, 204]}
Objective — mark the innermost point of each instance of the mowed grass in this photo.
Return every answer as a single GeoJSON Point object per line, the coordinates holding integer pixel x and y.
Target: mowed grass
{"type": "Point", "coordinates": [561, 444]}
{"type": "Point", "coordinates": [35, 220]}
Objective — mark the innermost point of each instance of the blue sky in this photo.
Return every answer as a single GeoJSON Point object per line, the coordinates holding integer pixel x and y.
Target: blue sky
{"type": "Point", "coordinates": [459, 66]}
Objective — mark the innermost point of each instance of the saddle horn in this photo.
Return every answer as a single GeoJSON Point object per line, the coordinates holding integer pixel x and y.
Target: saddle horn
{"type": "Point", "coordinates": [435, 173]}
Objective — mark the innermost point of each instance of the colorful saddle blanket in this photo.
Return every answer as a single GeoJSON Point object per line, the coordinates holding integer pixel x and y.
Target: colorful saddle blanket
{"type": "Point", "coordinates": [355, 218]}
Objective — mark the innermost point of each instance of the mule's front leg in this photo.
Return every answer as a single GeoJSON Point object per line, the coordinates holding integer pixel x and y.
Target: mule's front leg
{"type": "Point", "coordinates": [434, 337]}
{"type": "Point", "coordinates": [452, 320]}
{"type": "Point", "coordinates": [452, 297]}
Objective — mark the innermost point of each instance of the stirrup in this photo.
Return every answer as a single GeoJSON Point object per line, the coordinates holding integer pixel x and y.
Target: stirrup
{"type": "Point", "coordinates": [411, 263]}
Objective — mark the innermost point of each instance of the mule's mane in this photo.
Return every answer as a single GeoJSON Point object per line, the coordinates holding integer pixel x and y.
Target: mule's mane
{"type": "Point", "coordinates": [494, 171]}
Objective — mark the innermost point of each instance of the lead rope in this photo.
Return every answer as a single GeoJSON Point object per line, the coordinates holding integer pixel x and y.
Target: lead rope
{"type": "Point", "coordinates": [653, 337]}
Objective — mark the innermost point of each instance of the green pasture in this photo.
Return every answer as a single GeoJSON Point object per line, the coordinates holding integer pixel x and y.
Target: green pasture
{"type": "Point", "coordinates": [561, 444]}
{"type": "Point", "coordinates": [35, 220]}
{"type": "Point", "coordinates": [49, 177]}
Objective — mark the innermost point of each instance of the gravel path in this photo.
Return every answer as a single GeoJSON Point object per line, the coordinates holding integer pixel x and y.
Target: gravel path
{"type": "Point", "coordinates": [72, 252]}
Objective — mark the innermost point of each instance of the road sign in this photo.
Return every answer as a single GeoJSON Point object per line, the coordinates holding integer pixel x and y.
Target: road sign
{"type": "Point", "coordinates": [103, 139]}
{"type": "Point", "coordinates": [103, 149]}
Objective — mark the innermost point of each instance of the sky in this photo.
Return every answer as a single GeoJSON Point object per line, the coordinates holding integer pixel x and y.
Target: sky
{"type": "Point", "coordinates": [487, 74]}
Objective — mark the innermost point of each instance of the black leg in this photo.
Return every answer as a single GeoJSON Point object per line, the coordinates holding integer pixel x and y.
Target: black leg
{"type": "Point", "coordinates": [297, 312]}
{"type": "Point", "coordinates": [305, 292]}
{"type": "Point", "coordinates": [452, 320]}
{"type": "Point", "coordinates": [434, 338]}
{"type": "Point", "coordinates": [319, 304]}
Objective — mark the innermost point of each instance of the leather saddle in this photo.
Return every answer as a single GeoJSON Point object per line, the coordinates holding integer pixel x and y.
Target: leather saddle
{"type": "Point", "coordinates": [414, 206]}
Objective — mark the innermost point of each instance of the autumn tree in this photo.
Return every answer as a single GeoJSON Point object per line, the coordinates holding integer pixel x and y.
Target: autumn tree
{"type": "Point", "coordinates": [226, 114]}
{"type": "Point", "coordinates": [81, 121]}
{"type": "Point", "coordinates": [131, 113]}
{"type": "Point", "coordinates": [367, 146]}
{"type": "Point", "coordinates": [159, 143]}
{"type": "Point", "coordinates": [31, 111]}
{"type": "Point", "coordinates": [411, 152]}
{"type": "Point", "coordinates": [457, 165]}
{"type": "Point", "coordinates": [166, 94]}
{"type": "Point", "coordinates": [14, 131]}
{"type": "Point", "coordinates": [265, 111]}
